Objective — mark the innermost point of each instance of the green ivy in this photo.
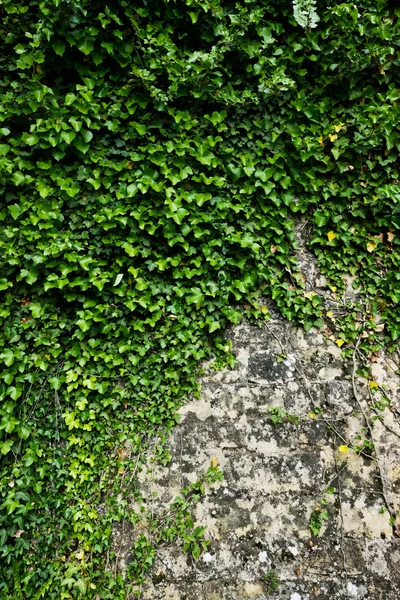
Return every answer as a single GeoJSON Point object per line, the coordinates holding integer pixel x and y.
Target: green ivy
{"type": "Point", "coordinates": [153, 157]}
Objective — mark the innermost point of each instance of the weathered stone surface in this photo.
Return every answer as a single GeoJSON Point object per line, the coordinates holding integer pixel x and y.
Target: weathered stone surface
{"type": "Point", "coordinates": [339, 397]}
{"type": "Point", "coordinates": [276, 474]}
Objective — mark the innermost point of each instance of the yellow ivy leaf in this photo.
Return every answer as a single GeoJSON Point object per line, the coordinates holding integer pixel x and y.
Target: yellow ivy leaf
{"type": "Point", "coordinates": [214, 462]}
{"type": "Point", "coordinates": [329, 314]}
{"type": "Point", "coordinates": [312, 415]}
{"type": "Point", "coordinates": [371, 246]}
{"type": "Point", "coordinates": [343, 448]}
{"type": "Point", "coordinates": [339, 342]}
{"type": "Point", "coordinates": [331, 235]}
{"type": "Point", "coordinates": [321, 140]}
{"type": "Point", "coordinates": [338, 127]}
{"type": "Point", "coordinates": [332, 137]}
{"type": "Point", "coordinates": [373, 385]}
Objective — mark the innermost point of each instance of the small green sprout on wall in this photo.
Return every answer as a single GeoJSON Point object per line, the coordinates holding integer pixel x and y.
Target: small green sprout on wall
{"type": "Point", "coordinates": [280, 415]}
{"type": "Point", "coordinates": [320, 515]}
{"type": "Point", "coordinates": [270, 581]}
{"type": "Point", "coordinates": [178, 523]}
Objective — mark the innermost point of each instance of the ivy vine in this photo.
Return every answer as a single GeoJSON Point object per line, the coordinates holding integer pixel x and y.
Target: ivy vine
{"type": "Point", "coordinates": [153, 159]}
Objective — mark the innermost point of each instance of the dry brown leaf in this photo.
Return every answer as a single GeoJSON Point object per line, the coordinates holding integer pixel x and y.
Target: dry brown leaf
{"type": "Point", "coordinates": [122, 453]}
{"type": "Point", "coordinates": [18, 533]}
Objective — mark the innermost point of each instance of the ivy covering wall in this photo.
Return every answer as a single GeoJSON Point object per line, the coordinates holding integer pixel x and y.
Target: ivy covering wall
{"type": "Point", "coordinates": [154, 156]}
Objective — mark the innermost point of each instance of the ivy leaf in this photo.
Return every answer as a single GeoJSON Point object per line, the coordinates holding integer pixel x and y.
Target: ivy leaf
{"type": "Point", "coordinates": [85, 262]}
{"type": "Point", "coordinates": [130, 250]}
{"type": "Point", "coordinates": [80, 145]}
{"type": "Point", "coordinates": [36, 309]}
{"type": "Point", "coordinates": [131, 190]}
{"type": "Point", "coordinates": [18, 178]}
{"type": "Point", "coordinates": [83, 325]}
{"type": "Point", "coordinates": [196, 551]}
{"type": "Point", "coordinates": [87, 46]}
{"type": "Point", "coordinates": [7, 356]}
{"type": "Point", "coordinates": [23, 432]}
{"type": "Point", "coordinates": [68, 136]}
{"type": "Point", "coordinates": [30, 140]}
{"type": "Point", "coordinates": [321, 219]}
{"type": "Point", "coordinates": [58, 154]}
{"type": "Point", "coordinates": [195, 297]}
{"type": "Point", "coordinates": [194, 16]}
{"type": "Point", "coordinates": [141, 129]}
{"type": "Point", "coordinates": [69, 99]}
{"type": "Point", "coordinates": [6, 446]}
{"type": "Point", "coordinates": [81, 585]}
{"type": "Point", "coordinates": [179, 215]}
{"type": "Point", "coordinates": [58, 47]}
{"type": "Point", "coordinates": [8, 423]}
{"type": "Point", "coordinates": [87, 135]}
{"type": "Point", "coordinates": [30, 276]}
{"type": "Point", "coordinates": [15, 210]}
{"type": "Point", "coordinates": [213, 326]}
{"type": "Point", "coordinates": [76, 124]}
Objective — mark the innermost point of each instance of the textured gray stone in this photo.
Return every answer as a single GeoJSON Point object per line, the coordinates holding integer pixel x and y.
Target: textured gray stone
{"type": "Point", "coordinates": [274, 477]}
{"type": "Point", "coordinates": [339, 397]}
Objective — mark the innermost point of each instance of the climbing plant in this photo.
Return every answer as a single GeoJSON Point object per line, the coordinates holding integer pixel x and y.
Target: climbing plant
{"type": "Point", "coordinates": [154, 156]}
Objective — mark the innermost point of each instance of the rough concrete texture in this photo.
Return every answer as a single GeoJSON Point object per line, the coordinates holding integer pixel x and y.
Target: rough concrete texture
{"type": "Point", "coordinates": [276, 474]}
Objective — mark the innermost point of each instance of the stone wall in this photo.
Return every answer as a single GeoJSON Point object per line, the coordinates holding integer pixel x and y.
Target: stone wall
{"type": "Point", "coordinates": [275, 475]}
